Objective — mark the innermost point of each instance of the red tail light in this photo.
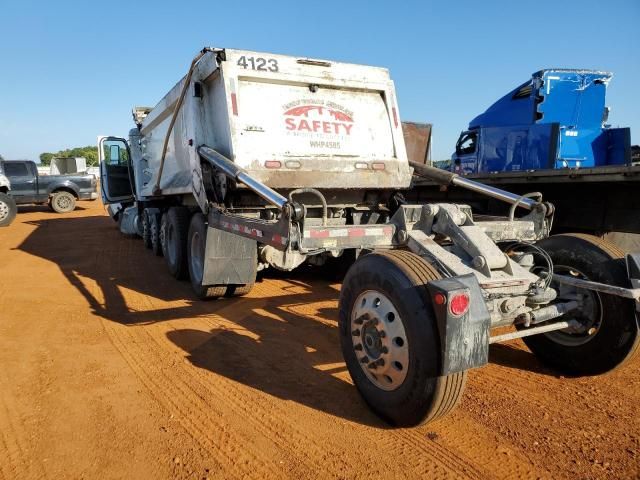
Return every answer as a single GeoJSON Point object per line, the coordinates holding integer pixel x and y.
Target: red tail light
{"type": "Point", "coordinates": [459, 304]}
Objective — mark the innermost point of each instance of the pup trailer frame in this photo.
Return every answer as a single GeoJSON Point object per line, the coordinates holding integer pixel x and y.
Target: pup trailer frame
{"type": "Point", "coordinates": [257, 161]}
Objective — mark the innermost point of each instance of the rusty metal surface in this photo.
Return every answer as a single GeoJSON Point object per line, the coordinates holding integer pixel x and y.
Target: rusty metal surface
{"type": "Point", "coordinates": [417, 139]}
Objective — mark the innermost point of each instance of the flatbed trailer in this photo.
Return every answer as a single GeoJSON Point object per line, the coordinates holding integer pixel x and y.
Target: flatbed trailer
{"type": "Point", "coordinates": [593, 200]}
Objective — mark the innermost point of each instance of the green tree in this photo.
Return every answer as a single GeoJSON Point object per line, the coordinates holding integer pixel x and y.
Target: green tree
{"type": "Point", "coordinates": [90, 153]}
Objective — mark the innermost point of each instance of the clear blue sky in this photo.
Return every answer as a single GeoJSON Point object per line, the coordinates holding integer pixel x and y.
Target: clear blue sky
{"type": "Point", "coordinates": [70, 71]}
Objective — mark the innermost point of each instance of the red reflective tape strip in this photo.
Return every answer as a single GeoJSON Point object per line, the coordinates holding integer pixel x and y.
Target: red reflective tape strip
{"type": "Point", "coordinates": [357, 232]}
{"type": "Point", "coordinates": [279, 239]}
{"type": "Point", "coordinates": [319, 233]}
{"type": "Point", "coordinates": [234, 104]}
{"type": "Point", "coordinates": [234, 227]}
{"type": "Point", "coordinates": [395, 116]}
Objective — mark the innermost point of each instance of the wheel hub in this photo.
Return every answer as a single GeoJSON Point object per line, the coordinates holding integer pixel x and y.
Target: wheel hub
{"type": "Point", "coordinates": [589, 315]}
{"type": "Point", "coordinates": [4, 210]}
{"type": "Point", "coordinates": [371, 340]}
{"type": "Point", "coordinates": [379, 340]}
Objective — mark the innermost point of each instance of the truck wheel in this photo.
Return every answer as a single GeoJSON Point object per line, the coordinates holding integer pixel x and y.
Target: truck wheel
{"type": "Point", "coordinates": [196, 244]}
{"type": "Point", "coordinates": [8, 209]}
{"type": "Point", "coordinates": [390, 342]}
{"type": "Point", "coordinates": [62, 202]}
{"type": "Point", "coordinates": [176, 232]}
{"type": "Point", "coordinates": [156, 241]}
{"type": "Point", "coordinates": [609, 334]}
{"type": "Point", "coordinates": [146, 229]}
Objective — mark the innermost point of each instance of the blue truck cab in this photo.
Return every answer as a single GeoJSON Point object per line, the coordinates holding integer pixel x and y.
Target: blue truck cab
{"type": "Point", "coordinates": [557, 119]}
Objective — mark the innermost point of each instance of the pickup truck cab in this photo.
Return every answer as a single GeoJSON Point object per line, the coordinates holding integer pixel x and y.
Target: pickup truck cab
{"type": "Point", "coordinates": [59, 191]}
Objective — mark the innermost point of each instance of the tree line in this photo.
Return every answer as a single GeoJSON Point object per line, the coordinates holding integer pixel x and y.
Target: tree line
{"type": "Point", "coordinates": [90, 153]}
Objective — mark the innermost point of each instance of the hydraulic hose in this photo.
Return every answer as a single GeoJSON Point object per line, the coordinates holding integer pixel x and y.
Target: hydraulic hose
{"type": "Point", "coordinates": [176, 110]}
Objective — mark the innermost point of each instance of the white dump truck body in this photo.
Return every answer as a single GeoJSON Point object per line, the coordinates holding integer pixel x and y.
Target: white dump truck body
{"type": "Point", "coordinates": [289, 122]}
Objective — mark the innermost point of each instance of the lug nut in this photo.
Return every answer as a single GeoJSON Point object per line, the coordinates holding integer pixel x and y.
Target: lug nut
{"type": "Point", "coordinates": [356, 332]}
{"type": "Point", "coordinates": [381, 362]}
{"type": "Point", "coordinates": [372, 365]}
{"type": "Point", "coordinates": [364, 360]}
{"type": "Point", "coordinates": [361, 318]}
{"type": "Point", "coordinates": [358, 347]}
{"type": "Point", "coordinates": [382, 334]}
{"type": "Point", "coordinates": [384, 350]}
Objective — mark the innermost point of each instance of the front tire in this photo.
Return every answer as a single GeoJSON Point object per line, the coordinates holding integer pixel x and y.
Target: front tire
{"type": "Point", "coordinates": [610, 335]}
{"type": "Point", "coordinates": [8, 209]}
{"type": "Point", "coordinates": [390, 342]}
{"type": "Point", "coordinates": [62, 202]}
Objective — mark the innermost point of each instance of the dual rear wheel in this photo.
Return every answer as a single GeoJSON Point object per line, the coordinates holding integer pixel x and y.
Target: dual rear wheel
{"type": "Point", "coordinates": [181, 238]}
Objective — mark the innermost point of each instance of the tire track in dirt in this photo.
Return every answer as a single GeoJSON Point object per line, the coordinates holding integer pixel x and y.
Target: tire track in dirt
{"type": "Point", "coordinates": [16, 462]}
{"type": "Point", "coordinates": [448, 461]}
{"type": "Point", "coordinates": [169, 402]}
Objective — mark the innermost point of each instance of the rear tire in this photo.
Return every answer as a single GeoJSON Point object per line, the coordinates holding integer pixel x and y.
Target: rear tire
{"type": "Point", "coordinates": [176, 234]}
{"type": "Point", "coordinates": [156, 241]}
{"type": "Point", "coordinates": [146, 229]}
{"type": "Point", "coordinates": [62, 202]}
{"type": "Point", "coordinates": [615, 338]}
{"type": "Point", "coordinates": [196, 244]}
{"type": "Point", "coordinates": [390, 287]}
{"type": "Point", "coordinates": [8, 209]}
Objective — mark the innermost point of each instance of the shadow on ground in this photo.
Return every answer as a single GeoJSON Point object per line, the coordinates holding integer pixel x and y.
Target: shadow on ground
{"type": "Point", "coordinates": [43, 208]}
{"type": "Point", "coordinates": [281, 345]}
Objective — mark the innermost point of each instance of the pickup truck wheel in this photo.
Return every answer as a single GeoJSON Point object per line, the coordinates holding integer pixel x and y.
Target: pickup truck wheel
{"type": "Point", "coordinates": [390, 341]}
{"type": "Point", "coordinates": [8, 209]}
{"type": "Point", "coordinates": [609, 335]}
{"type": "Point", "coordinates": [146, 229]}
{"type": "Point", "coordinates": [156, 243]}
{"type": "Point", "coordinates": [196, 244]}
{"type": "Point", "coordinates": [62, 202]}
{"type": "Point", "coordinates": [176, 233]}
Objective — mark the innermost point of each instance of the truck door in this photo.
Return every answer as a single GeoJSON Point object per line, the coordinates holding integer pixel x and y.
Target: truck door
{"type": "Point", "coordinates": [116, 177]}
{"type": "Point", "coordinates": [465, 160]}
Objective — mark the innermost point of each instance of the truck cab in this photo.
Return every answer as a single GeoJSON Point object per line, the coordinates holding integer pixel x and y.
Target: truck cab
{"type": "Point", "coordinates": [557, 119]}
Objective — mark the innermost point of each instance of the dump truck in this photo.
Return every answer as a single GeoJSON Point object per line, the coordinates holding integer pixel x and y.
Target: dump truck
{"type": "Point", "coordinates": [257, 160]}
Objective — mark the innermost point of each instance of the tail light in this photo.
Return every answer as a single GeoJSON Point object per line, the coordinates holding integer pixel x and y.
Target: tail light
{"type": "Point", "coordinates": [459, 304]}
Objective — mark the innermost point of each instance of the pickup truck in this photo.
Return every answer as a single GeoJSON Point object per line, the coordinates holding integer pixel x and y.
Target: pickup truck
{"type": "Point", "coordinates": [59, 191]}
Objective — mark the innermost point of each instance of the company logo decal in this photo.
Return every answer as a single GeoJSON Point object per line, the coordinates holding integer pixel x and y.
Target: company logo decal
{"type": "Point", "coordinates": [318, 117]}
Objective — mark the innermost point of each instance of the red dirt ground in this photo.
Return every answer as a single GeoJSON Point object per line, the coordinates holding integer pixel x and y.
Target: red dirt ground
{"type": "Point", "coordinates": [112, 369]}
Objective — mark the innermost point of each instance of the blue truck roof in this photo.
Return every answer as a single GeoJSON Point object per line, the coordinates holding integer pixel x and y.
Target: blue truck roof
{"type": "Point", "coordinates": [570, 97]}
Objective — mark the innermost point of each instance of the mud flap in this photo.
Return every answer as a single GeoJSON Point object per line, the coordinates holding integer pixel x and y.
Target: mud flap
{"type": "Point", "coordinates": [464, 340]}
{"type": "Point", "coordinates": [229, 259]}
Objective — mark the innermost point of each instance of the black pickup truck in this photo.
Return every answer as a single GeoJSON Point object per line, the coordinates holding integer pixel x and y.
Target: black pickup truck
{"type": "Point", "coordinates": [59, 191]}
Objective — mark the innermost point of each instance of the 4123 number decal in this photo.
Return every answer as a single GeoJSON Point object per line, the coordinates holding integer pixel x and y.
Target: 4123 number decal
{"type": "Point", "coordinates": [258, 63]}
